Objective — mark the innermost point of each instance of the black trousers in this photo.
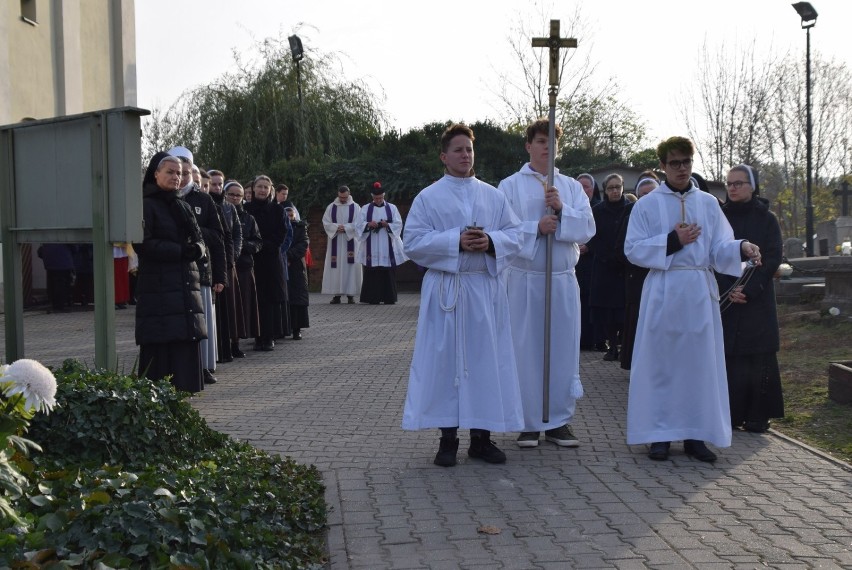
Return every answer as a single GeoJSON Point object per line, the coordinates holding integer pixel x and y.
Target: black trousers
{"type": "Point", "coordinates": [59, 284]}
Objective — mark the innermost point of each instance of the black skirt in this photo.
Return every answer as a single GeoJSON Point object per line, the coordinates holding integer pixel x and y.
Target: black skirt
{"type": "Point", "coordinates": [379, 285]}
{"type": "Point", "coordinates": [181, 360]}
{"type": "Point", "coordinates": [754, 387]}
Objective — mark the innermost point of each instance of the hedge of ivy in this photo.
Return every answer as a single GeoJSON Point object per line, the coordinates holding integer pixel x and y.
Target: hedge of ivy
{"type": "Point", "coordinates": [131, 476]}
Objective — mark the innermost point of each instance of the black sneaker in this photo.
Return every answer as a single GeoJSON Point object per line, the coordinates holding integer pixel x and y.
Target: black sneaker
{"type": "Point", "coordinates": [237, 352]}
{"type": "Point", "coordinates": [562, 436]}
{"type": "Point", "coordinates": [350, 300]}
{"type": "Point", "coordinates": [446, 456]}
{"type": "Point", "coordinates": [484, 449]}
{"type": "Point", "coordinates": [208, 377]}
{"type": "Point", "coordinates": [696, 448]}
{"type": "Point", "coordinates": [528, 439]}
{"type": "Point", "coordinates": [335, 300]}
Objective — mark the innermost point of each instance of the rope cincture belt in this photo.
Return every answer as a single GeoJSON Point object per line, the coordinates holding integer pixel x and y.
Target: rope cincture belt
{"type": "Point", "coordinates": [450, 307]}
{"type": "Point", "coordinates": [708, 276]}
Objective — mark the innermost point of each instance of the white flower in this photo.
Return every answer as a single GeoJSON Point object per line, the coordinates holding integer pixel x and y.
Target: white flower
{"type": "Point", "coordinates": [34, 381]}
{"type": "Point", "coordinates": [834, 311]}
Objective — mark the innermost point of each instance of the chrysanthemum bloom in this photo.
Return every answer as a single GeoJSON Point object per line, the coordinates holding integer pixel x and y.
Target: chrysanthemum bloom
{"type": "Point", "coordinates": [34, 381]}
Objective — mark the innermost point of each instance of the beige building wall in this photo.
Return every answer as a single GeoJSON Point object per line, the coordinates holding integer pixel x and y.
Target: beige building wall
{"type": "Point", "coordinates": [74, 57]}
{"type": "Point", "coordinates": [71, 57]}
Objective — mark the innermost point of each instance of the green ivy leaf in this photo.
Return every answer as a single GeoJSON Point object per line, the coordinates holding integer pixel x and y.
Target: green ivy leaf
{"type": "Point", "coordinates": [98, 498]}
{"type": "Point", "coordinates": [40, 500]}
{"type": "Point", "coordinates": [162, 492]}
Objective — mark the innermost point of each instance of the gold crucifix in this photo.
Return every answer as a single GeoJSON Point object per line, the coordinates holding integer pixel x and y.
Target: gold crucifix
{"type": "Point", "coordinates": [555, 43]}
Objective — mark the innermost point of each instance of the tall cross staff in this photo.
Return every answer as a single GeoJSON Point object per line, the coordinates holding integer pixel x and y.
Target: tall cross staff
{"type": "Point", "coordinates": [554, 43]}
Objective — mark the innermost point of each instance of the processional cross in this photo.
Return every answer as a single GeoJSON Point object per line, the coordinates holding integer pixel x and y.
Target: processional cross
{"type": "Point", "coordinates": [554, 43]}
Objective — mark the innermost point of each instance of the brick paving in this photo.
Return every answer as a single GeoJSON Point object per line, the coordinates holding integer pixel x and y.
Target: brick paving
{"type": "Point", "coordinates": [335, 400]}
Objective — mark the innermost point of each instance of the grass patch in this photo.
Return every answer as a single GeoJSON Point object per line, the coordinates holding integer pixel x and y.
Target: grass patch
{"type": "Point", "coordinates": [809, 342]}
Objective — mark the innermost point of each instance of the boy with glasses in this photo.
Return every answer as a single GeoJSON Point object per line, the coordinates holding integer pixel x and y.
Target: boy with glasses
{"type": "Point", "coordinates": [678, 384]}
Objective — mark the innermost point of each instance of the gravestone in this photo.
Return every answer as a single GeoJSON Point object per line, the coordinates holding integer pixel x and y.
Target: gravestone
{"type": "Point", "coordinates": [838, 285]}
{"type": "Point", "coordinates": [794, 248]}
{"type": "Point", "coordinates": [831, 234]}
{"type": "Point", "coordinates": [840, 382]}
{"type": "Point", "coordinates": [843, 225]}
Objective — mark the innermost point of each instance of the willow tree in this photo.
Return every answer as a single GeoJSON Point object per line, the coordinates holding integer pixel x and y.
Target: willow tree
{"type": "Point", "coordinates": [266, 113]}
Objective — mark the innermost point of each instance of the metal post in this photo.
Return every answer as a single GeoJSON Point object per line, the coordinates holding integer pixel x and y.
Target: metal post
{"type": "Point", "coordinates": [809, 212]}
{"type": "Point", "coordinates": [554, 43]}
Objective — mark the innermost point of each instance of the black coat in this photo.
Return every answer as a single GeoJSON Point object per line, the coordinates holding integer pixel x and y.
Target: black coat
{"type": "Point", "coordinates": [168, 289]}
{"type": "Point", "coordinates": [251, 240]}
{"type": "Point", "coordinates": [231, 227]}
{"type": "Point", "coordinates": [583, 269]}
{"type": "Point", "coordinates": [752, 327]}
{"type": "Point", "coordinates": [268, 265]}
{"type": "Point", "coordinates": [297, 282]}
{"type": "Point", "coordinates": [634, 275]}
{"type": "Point", "coordinates": [607, 284]}
{"type": "Point", "coordinates": [57, 256]}
{"type": "Point", "coordinates": [207, 216]}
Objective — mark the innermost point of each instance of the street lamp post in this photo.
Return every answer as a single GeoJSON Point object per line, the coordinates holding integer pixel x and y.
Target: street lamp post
{"type": "Point", "coordinates": [298, 53]}
{"type": "Point", "coordinates": [809, 16]}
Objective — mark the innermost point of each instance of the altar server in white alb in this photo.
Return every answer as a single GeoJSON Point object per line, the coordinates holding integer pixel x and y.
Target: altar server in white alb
{"type": "Point", "coordinates": [463, 372]}
{"type": "Point", "coordinates": [571, 224]}
{"type": "Point", "coordinates": [380, 249]}
{"type": "Point", "coordinates": [678, 384]}
{"type": "Point", "coordinates": [342, 273]}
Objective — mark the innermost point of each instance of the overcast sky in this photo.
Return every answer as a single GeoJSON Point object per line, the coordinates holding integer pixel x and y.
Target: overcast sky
{"type": "Point", "coordinates": [437, 60]}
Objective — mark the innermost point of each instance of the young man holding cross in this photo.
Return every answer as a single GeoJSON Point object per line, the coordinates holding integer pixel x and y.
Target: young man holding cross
{"type": "Point", "coordinates": [571, 224]}
{"type": "Point", "coordinates": [678, 384]}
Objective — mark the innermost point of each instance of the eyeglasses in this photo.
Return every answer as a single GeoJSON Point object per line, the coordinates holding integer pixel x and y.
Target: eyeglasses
{"type": "Point", "coordinates": [737, 184]}
{"type": "Point", "coordinates": [677, 164]}
{"type": "Point", "coordinates": [613, 188]}
{"type": "Point", "coordinates": [234, 195]}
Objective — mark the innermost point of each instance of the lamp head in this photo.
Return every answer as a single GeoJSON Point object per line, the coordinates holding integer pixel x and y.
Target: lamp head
{"type": "Point", "coordinates": [807, 12]}
{"type": "Point", "coordinates": [296, 47]}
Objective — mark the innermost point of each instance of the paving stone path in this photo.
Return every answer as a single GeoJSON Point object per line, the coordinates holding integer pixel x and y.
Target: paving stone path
{"type": "Point", "coordinates": [335, 400]}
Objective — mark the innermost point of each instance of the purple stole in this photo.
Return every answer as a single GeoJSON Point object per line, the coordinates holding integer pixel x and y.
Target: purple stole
{"type": "Point", "coordinates": [370, 239]}
{"type": "Point", "coordinates": [350, 244]}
